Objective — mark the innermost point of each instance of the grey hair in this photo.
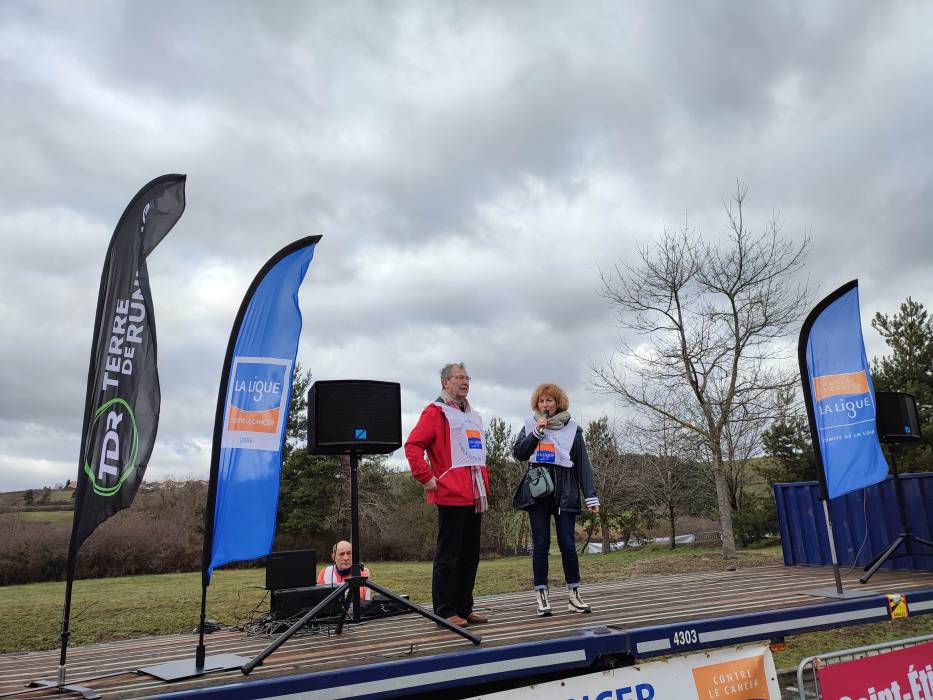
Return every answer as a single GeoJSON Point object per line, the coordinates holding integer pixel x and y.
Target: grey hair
{"type": "Point", "coordinates": [447, 371]}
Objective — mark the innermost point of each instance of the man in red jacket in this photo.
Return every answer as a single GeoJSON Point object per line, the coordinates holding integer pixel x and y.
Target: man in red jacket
{"type": "Point", "coordinates": [456, 480]}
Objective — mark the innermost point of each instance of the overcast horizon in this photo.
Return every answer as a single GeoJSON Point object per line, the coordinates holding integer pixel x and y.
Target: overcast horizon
{"type": "Point", "coordinates": [471, 167]}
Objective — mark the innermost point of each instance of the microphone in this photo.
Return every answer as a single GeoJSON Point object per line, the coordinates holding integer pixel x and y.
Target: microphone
{"type": "Point", "coordinates": [546, 414]}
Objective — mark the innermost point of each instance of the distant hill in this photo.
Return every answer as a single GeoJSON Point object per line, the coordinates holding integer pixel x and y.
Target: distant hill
{"type": "Point", "coordinates": [42, 499]}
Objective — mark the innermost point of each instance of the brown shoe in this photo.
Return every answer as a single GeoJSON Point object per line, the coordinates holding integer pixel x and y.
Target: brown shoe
{"type": "Point", "coordinates": [457, 620]}
{"type": "Point", "coordinates": [476, 619]}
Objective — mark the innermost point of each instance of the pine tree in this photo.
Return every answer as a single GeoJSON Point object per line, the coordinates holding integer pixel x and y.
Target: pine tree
{"type": "Point", "coordinates": [787, 443]}
{"type": "Point", "coordinates": [310, 483]}
{"type": "Point", "coordinates": [909, 369]}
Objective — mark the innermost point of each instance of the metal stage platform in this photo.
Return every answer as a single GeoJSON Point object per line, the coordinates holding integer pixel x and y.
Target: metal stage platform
{"type": "Point", "coordinates": [399, 656]}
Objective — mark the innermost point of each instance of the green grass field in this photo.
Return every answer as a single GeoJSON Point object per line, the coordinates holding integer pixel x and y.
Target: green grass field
{"type": "Point", "coordinates": [118, 608]}
{"type": "Point", "coordinates": [43, 516]}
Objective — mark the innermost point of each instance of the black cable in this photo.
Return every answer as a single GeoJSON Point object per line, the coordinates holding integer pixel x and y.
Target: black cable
{"type": "Point", "coordinates": [865, 539]}
{"type": "Point", "coordinates": [268, 625]}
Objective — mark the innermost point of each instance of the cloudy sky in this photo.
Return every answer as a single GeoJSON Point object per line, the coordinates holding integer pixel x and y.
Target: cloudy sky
{"type": "Point", "coordinates": [470, 165]}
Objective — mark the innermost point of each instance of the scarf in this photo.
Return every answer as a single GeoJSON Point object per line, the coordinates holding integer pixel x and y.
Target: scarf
{"type": "Point", "coordinates": [555, 422]}
{"type": "Point", "coordinates": [453, 403]}
{"type": "Point", "coordinates": [480, 497]}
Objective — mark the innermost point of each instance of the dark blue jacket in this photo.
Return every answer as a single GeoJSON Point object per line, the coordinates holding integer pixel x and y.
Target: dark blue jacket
{"type": "Point", "coordinates": [568, 482]}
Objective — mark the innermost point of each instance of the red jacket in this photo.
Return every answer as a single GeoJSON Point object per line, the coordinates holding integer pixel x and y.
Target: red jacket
{"type": "Point", "coordinates": [432, 435]}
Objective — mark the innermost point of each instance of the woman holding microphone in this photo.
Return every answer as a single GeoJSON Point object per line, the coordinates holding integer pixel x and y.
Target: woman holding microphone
{"type": "Point", "coordinates": [558, 470]}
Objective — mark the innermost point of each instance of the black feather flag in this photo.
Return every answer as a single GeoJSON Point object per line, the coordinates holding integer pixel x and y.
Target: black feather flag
{"type": "Point", "coordinates": [121, 412]}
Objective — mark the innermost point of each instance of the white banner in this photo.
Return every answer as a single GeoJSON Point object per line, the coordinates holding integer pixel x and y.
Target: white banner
{"type": "Point", "coordinates": [257, 403]}
{"type": "Point", "coordinates": [740, 673]}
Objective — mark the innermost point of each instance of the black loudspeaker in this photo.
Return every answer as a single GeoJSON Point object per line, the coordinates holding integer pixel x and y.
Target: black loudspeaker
{"type": "Point", "coordinates": [354, 415]}
{"type": "Point", "coordinates": [896, 417]}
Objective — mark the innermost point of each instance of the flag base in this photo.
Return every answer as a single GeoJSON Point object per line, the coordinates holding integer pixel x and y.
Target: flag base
{"type": "Point", "coordinates": [188, 668]}
{"type": "Point", "coordinates": [833, 593]}
{"type": "Point", "coordinates": [85, 692]}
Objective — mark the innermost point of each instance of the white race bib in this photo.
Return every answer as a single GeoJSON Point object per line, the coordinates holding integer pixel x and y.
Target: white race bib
{"type": "Point", "coordinates": [467, 447]}
{"type": "Point", "coordinates": [554, 447]}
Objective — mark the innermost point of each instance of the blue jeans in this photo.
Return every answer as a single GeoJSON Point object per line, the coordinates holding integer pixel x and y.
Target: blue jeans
{"type": "Point", "coordinates": [539, 516]}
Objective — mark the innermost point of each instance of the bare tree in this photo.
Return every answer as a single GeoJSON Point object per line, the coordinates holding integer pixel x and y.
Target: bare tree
{"type": "Point", "coordinates": [741, 441]}
{"type": "Point", "coordinates": [667, 477]}
{"type": "Point", "coordinates": [371, 496]}
{"type": "Point", "coordinates": [623, 506]}
{"type": "Point", "coordinates": [714, 315]}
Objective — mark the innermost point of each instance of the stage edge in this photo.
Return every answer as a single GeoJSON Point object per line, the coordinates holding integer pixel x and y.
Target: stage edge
{"type": "Point", "coordinates": [473, 667]}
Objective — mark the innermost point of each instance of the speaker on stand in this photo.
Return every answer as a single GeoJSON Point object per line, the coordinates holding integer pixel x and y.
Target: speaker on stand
{"type": "Point", "coordinates": [897, 424]}
{"type": "Point", "coordinates": [354, 417]}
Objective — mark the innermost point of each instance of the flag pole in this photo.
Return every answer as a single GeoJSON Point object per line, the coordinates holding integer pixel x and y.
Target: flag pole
{"type": "Point", "coordinates": [90, 392]}
{"type": "Point", "coordinates": [202, 663]}
{"type": "Point", "coordinates": [218, 428]}
{"type": "Point", "coordinates": [200, 650]}
{"type": "Point", "coordinates": [131, 237]}
{"type": "Point", "coordinates": [66, 633]}
{"type": "Point", "coordinates": [206, 548]}
{"type": "Point", "coordinates": [811, 418]}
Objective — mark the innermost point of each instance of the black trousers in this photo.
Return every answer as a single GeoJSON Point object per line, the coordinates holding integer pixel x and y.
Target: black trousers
{"type": "Point", "coordinates": [456, 560]}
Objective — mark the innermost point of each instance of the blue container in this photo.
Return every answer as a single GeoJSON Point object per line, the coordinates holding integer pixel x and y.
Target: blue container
{"type": "Point", "coordinates": [864, 523]}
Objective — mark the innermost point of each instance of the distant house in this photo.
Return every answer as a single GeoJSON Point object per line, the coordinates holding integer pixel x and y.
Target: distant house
{"type": "Point", "coordinates": [69, 485]}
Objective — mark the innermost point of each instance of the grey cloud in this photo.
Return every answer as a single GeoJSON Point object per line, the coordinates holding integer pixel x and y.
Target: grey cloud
{"type": "Point", "coordinates": [469, 164]}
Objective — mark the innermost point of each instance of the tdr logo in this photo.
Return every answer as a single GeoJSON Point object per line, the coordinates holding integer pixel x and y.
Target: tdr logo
{"type": "Point", "coordinates": [113, 451]}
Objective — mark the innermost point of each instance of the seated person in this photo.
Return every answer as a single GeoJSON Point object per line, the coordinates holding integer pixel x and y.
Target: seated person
{"type": "Point", "coordinates": [339, 571]}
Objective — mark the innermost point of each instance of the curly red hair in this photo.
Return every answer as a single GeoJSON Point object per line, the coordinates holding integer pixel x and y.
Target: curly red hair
{"type": "Point", "coordinates": [555, 392]}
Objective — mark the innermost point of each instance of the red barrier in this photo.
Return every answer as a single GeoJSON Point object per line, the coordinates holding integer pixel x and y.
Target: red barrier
{"type": "Point", "coordinates": [894, 675]}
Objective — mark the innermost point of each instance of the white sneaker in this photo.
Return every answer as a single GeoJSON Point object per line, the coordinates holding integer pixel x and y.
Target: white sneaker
{"type": "Point", "coordinates": [576, 604]}
{"type": "Point", "coordinates": [544, 605]}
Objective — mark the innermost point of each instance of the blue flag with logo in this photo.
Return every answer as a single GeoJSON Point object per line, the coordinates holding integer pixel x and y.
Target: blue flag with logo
{"type": "Point", "coordinates": [839, 394]}
{"type": "Point", "coordinates": [252, 413]}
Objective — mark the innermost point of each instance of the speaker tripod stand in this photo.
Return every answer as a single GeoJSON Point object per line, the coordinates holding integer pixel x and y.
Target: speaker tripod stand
{"type": "Point", "coordinates": [351, 587]}
{"type": "Point", "coordinates": [906, 537]}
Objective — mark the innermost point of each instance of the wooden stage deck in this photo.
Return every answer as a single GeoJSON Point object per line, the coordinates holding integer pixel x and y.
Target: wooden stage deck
{"type": "Point", "coordinates": [625, 605]}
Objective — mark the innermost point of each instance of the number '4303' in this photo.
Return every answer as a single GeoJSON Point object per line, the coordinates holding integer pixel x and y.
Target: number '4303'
{"type": "Point", "coordinates": [682, 637]}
